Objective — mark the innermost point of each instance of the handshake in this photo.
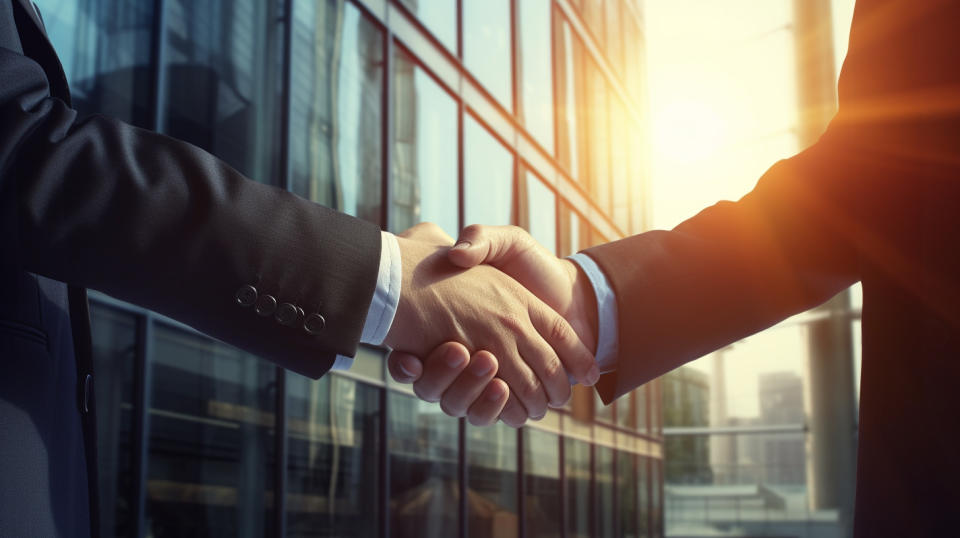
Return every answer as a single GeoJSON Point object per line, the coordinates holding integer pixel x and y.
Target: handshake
{"type": "Point", "coordinates": [494, 327]}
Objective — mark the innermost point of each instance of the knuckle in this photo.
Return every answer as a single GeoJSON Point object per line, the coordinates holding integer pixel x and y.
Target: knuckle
{"type": "Point", "coordinates": [560, 330]}
{"type": "Point", "coordinates": [473, 230]}
{"type": "Point", "coordinates": [513, 324]}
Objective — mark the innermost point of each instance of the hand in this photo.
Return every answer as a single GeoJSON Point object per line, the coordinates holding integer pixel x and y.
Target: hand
{"type": "Point", "coordinates": [557, 282]}
{"type": "Point", "coordinates": [464, 385]}
{"type": "Point", "coordinates": [483, 308]}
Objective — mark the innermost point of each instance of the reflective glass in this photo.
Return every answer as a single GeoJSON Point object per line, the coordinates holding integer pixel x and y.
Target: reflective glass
{"type": "Point", "coordinates": [643, 495]}
{"type": "Point", "coordinates": [572, 231]}
{"type": "Point", "coordinates": [656, 498]}
{"type": "Point", "coordinates": [336, 95]}
{"type": "Point", "coordinates": [425, 150]}
{"type": "Point", "coordinates": [114, 355]}
{"type": "Point", "coordinates": [613, 34]}
{"type": "Point", "coordinates": [492, 481]}
{"type": "Point", "coordinates": [599, 137]}
{"type": "Point", "coordinates": [333, 439]}
{"type": "Point", "coordinates": [541, 461]}
{"type": "Point", "coordinates": [627, 494]}
{"type": "Point", "coordinates": [624, 411]}
{"type": "Point", "coordinates": [593, 15]}
{"type": "Point", "coordinates": [579, 502]}
{"type": "Point", "coordinates": [637, 180]}
{"type": "Point", "coordinates": [222, 68]}
{"type": "Point", "coordinates": [640, 399]}
{"type": "Point", "coordinates": [104, 47]}
{"type": "Point", "coordinates": [211, 459]}
{"type": "Point", "coordinates": [424, 489]}
{"type": "Point", "coordinates": [542, 212]}
{"type": "Point", "coordinates": [571, 152]}
{"type": "Point", "coordinates": [603, 487]}
{"type": "Point", "coordinates": [487, 177]}
{"type": "Point", "coordinates": [439, 17]}
{"type": "Point", "coordinates": [621, 124]}
{"type": "Point", "coordinates": [536, 78]}
{"type": "Point", "coordinates": [486, 46]}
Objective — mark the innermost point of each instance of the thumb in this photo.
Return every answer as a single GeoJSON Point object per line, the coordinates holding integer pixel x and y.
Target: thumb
{"type": "Point", "coordinates": [491, 245]}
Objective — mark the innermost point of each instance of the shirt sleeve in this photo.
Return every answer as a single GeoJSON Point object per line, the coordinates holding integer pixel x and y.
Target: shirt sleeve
{"type": "Point", "coordinates": [607, 324]}
{"type": "Point", "coordinates": [383, 307]}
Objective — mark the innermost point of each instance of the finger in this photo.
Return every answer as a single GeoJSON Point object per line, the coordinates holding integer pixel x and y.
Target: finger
{"type": "Point", "coordinates": [490, 404]}
{"type": "Point", "coordinates": [524, 384]}
{"type": "Point", "coordinates": [404, 367]}
{"type": "Point", "coordinates": [513, 414]}
{"type": "Point", "coordinates": [541, 358]}
{"type": "Point", "coordinates": [469, 384]}
{"type": "Point", "coordinates": [577, 360]}
{"type": "Point", "coordinates": [489, 244]}
{"type": "Point", "coordinates": [440, 369]}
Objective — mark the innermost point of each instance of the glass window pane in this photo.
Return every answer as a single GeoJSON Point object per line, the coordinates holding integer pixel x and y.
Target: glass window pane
{"type": "Point", "coordinates": [486, 46]}
{"type": "Point", "coordinates": [104, 47]}
{"type": "Point", "coordinates": [620, 125]}
{"type": "Point", "coordinates": [210, 468]}
{"type": "Point", "coordinates": [606, 516]}
{"type": "Point", "coordinates": [542, 479]}
{"type": "Point", "coordinates": [336, 95]}
{"type": "Point", "coordinates": [424, 490]}
{"type": "Point", "coordinates": [579, 501]}
{"type": "Point", "coordinates": [656, 498]}
{"type": "Point", "coordinates": [627, 494]}
{"type": "Point", "coordinates": [643, 495]}
{"type": "Point", "coordinates": [640, 399]}
{"type": "Point", "coordinates": [542, 214]}
{"type": "Point", "coordinates": [333, 435]}
{"type": "Point", "coordinates": [114, 355]}
{"type": "Point", "coordinates": [440, 18]}
{"type": "Point", "coordinates": [593, 16]}
{"type": "Point", "coordinates": [223, 74]}
{"type": "Point", "coordinates": [570, 95]}
{"type": "Point", "coordinates": [535, 75]}
{"type": "Point", "coordinates": [614, 36]}
{"type": "Point", "coordinates": [425, 157]}
{"type": "Point", "coordinates": [599, 143]}
{"type": "Point", "coordinates": [492, 481]}
{"type": "Point", "coordinates": [487, 177]}
{"type": "Point", "coordinates": [625, 407]}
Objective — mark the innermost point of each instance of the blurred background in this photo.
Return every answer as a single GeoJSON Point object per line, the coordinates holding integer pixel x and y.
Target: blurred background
{"type": "Point", "coordinates": [581, 120]}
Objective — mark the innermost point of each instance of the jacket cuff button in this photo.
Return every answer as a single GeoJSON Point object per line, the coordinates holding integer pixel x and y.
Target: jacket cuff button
{"type": "Point", "coordinates": [266, 305]}
{"type": "Point", "coordinates": [287, 314]}
{"type": "Point", "coordinates": [314, 323]}
{"type": "Point", "coordinates": [246, 296]}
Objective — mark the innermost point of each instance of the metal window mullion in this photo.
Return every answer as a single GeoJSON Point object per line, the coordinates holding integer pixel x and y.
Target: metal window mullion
{"type": "Point", "coordinates": [141, 417]}
{"type": "Point", "coordinates": [521, 487]}
{"type": "Point", "coordinates": [280, 404]}
{"type": "Point", "coordinates": [387, 105]}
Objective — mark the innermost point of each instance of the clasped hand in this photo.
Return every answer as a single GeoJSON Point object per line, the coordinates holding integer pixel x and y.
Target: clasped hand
{"type": "Point", "coordinates": [494, 327]}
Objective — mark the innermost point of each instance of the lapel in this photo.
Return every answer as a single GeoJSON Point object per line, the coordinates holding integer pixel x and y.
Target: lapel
{"type": "Point", "coordinates": [51, 63]}
{"type": "Point", "coordinates": [31, 11]}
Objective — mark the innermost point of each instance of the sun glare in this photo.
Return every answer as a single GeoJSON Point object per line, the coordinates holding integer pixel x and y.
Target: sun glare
{"type": "Point", "coordinates": [687, 130]}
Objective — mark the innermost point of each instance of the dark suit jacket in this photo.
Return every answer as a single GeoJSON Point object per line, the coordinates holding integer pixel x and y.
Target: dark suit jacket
{"type": "Point", "coordinates": [876, 199]}
{"type": "Point", "coordinates": [99, 204]}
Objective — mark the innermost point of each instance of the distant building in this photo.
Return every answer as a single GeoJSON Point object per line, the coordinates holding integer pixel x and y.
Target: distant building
{"type": "Point", "coordinates": [686, 403]}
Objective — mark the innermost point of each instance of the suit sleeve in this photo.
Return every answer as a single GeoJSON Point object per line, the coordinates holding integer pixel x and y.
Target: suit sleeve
{"type": "Point", "coordinates": [165, 225]}
{"type": "Point", "coordinates": [735, 268]}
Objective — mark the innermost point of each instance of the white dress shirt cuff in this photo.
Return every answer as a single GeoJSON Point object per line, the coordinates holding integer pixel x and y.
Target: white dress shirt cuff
{"type": "Point", "coordinates": [607, 323]}
{"type": "Point", "coordinates": [383, 307]}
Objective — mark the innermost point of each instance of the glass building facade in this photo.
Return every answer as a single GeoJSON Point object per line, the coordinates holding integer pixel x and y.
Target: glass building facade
{"type": "Point", "coordinates": [525, 112]}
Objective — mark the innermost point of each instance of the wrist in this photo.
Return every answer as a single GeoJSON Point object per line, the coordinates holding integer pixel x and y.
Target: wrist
{"type": "Point", "coordinates": [582, 315]}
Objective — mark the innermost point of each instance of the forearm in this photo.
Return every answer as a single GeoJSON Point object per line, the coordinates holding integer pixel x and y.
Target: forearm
{"type": "Point", "coordinates": [165, 225]}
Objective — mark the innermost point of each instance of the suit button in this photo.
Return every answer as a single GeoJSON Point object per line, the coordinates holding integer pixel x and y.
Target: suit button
{"type": "Point", "coordinates": [266, 305]}
{"type": "Point", "coordinates": [287, 314]}
{"type": "Point", "coordinates": [86, 394]}
{"type": "Point", "coordinates": [314, 323]}
{"type": "Point", "coordinates": [247, 296]}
